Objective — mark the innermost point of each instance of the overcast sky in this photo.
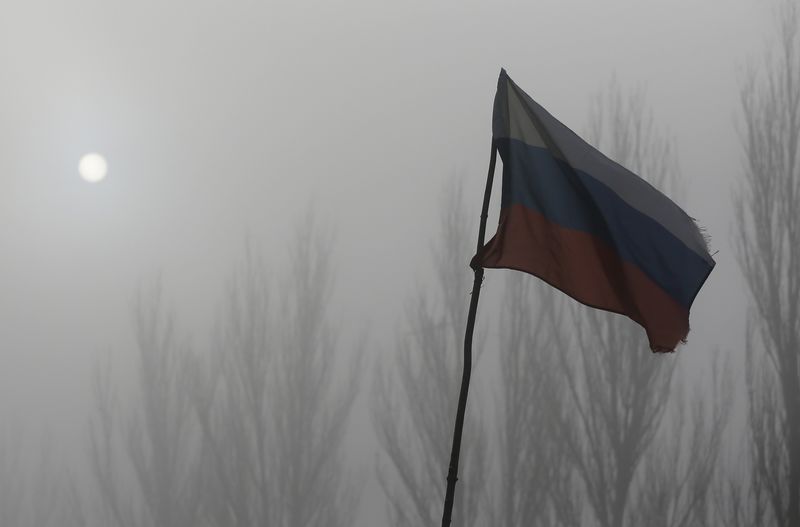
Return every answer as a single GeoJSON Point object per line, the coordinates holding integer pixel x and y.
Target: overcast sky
{"type": "Point", "coordinates": [223, 118]}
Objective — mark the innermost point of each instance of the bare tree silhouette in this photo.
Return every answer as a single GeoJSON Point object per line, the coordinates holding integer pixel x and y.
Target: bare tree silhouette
{"type": "Point", "coordinates": [12, 480]}
{"type": "Point", "coordinates": [616, 396]}
{"type": "Point", "coordinates": [230, 393]}
{"type": "Point", "coordinates": [531, 464]}
{"type": "Point", "coordinates": [415, 393]}
{"type": "Point", "coordinates": [616, 393]}
{"type": "Point", "coordinates": [144, 463]}
{"type": "Point", "coordinates": [675, 484]}
{"type": "Point", "coordinates": [769, 254]}
{"type": "Point", "coordinates": [272, 403]}
{"type": "Point", "coordinates": [37, 493]}
{"type": "Point", "coordinates": [312, 405]}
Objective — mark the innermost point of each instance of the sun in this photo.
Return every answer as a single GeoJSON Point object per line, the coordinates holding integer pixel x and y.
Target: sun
{"type": "Point", "coordinates": [93, 167]}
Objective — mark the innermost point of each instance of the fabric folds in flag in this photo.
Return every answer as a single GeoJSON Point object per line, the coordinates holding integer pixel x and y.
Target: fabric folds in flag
{"type": "Point", "coordinates": [590, 227]}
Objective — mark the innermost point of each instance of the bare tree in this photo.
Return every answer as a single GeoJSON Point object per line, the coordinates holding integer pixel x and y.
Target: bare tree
{"type": "Point", "coordinates": [674, 486]}
{"type": "Point", "coordinates": [35, 488]}
{"type": "Point", "coordinates": [312, 405]}
{"type": "Point", "coordinates": [272, 403]}
{"type": "Point", "coordinates": [616, 393]}
{"type": "Point", "coordinates": [229, 391]}
{"type": "Point", "coordinates": [106, 456]}
{"type": "Point", "coordinates": [144, 464]}
{"type": "Point", "coordinates": [615, 398]}
{"type": "Point", "coordinates": [769, 255]}
{"type": "Point", "coordinates": [416, 392]}
{"type": "Point", "coordinates": [12, 480]}
{"type": "Point", "coordinates": [531, 464]}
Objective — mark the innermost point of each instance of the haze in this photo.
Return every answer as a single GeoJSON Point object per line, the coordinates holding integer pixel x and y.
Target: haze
{"type": "Point", "coordinates": [226, 125]}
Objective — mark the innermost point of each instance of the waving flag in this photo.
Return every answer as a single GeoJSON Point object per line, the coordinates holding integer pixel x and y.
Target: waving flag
{"type": "Point", "coordinates": [590, 227]}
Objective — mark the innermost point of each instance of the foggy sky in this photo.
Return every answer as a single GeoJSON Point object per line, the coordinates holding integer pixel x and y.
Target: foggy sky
{"type": "Point", "coordinates": [226, 119]}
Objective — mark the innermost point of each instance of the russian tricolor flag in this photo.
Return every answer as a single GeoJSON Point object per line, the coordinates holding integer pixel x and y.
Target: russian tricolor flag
{"type": "Point", "coordinates": [590, 227]}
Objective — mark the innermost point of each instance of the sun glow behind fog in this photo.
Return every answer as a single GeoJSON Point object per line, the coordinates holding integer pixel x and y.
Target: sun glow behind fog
{"type": "Point", "coordinates": [93, 167]}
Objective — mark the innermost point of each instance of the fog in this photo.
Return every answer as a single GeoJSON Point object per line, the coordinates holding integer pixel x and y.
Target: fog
{"type": "Point", "coordinates": [312, 153]}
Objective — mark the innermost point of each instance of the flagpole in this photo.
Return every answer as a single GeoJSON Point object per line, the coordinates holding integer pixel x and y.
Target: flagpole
{"type": "Point", "coordinates": [452, 473]}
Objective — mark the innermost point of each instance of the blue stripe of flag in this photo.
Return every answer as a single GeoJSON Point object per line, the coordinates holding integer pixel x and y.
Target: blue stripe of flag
{"type": "Point", "coordinates": [532, 177]}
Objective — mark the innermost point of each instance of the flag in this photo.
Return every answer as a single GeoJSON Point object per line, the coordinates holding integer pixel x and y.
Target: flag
{"type": "Point", "coordinates": [590, 227]}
